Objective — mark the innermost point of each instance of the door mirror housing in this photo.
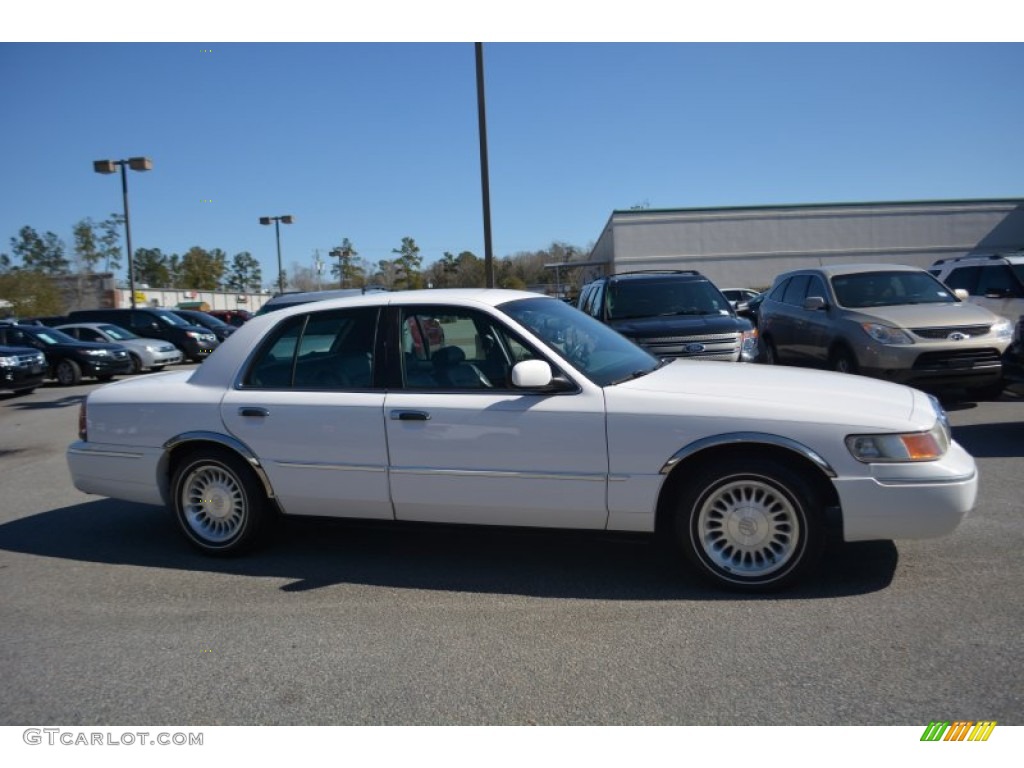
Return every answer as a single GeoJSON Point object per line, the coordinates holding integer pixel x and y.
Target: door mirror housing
{"type": "Point", "coordinates": [537, 375]}
{"type": "Point", "coordinates": [961, 294]}
{"type": "Point", "coordinates": [814, 303]}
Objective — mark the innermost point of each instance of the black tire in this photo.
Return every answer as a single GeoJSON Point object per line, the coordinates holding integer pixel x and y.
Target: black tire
{"type": "Point", "coordinates": [750, 524]}
{"type": "Point", "coordinates": [218, 502]}
{"type": "Point", "coordinates": [770, 355]}
{"type": "Point", "coordinates": [842, 361]}
{"type": "Point", "coordinates": [67, 373]}
{"type": "Point", "coordinates": [136, 363]}
{"type": "Point", "coordinates": [20, 392]}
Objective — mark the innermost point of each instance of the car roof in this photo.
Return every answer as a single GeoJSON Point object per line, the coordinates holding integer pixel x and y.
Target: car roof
{"type": "Point", "coordinates": [981, 258]}
{"type": "Point", "coordinates": [850, 269]}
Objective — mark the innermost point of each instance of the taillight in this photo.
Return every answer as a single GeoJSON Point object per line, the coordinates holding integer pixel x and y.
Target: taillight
{"type": "Point", "coordinates": [83, 430]}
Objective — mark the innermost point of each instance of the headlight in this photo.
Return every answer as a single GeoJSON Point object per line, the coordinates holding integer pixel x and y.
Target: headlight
{"type": "Point", "coordinates": [8, 362]}
{"type": "Point", "coordinates": [97, 352]}
{"type": "Point", "coordinates": [748, 346]}
{"type": "Point", "coordinates": [886, 334]}
{"type": "Point", "coordinates": [194, 335]}
{"type": "Point", "coordinates": [910, 446]}
{"type": "Point", "coordinates": [152, 348]}
{"type": "Point", "coordinates": [1003, 329]}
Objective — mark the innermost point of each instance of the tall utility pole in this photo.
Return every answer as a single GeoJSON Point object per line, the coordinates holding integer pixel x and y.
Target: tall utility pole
{"type": "Point", "coordinates": [485, 182]}
{"type": "Point", "coordinates": [136, 164]}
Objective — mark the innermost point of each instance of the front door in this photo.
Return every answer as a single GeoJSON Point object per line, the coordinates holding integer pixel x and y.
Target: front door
{"type": "Point", "coordinates": [464, 446]}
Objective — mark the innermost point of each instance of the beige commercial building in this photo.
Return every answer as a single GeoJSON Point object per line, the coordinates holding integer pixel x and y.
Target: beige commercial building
{"type": "Point", "coordinates": [749, 246]}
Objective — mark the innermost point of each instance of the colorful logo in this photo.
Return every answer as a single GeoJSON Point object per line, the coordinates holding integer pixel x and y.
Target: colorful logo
{"type": "Point", "coordinates": [959, 730]}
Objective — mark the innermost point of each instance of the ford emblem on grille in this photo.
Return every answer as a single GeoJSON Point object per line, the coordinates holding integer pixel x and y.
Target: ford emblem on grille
{"type": "Point", "coordinates": [694, 349]}
{"type": "Point", "coordinates": [957, 336]}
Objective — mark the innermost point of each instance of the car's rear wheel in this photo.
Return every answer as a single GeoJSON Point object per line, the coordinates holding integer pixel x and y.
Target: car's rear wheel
{"type": "Point", "coordinates": [68, 373]}
{"type": "Point", "coordinates": [136, 362]}
{"type": "Point", "coordinates": [771, 355]}
{"type": "Point", "coordinates": [218, 502]}
{"type": "Point", "coordinates": [750, 524]}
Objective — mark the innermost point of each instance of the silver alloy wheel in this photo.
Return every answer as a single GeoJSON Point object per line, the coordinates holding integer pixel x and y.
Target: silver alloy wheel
{"type": "Point", "coordinates": [214, 503]}
{"type": "Point", "coordinates": [748, 528]}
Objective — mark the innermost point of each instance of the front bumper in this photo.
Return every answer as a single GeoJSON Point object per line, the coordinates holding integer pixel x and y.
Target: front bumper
{"type": "Point", "coordinates": [909, 501]}
{"type": "Point", "coordinates": [100, 366]}
{"type": "Point", "coordinates": [17, 378]}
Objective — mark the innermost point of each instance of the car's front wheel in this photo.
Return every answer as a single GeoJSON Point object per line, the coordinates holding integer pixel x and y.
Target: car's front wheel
{"type": "Point", "coordinates": [750, 524]}
{"type": "Point", "coordinates": [218, 502]}
{"type": "Point", "coordinates": [843, 361]}
{"type": "Point", "coordinates": [68, 373]}
{"type": "Point", "coordinates": [136, 363]}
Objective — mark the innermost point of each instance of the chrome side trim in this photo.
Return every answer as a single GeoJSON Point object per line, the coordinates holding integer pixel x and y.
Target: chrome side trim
{"type": "Point", "coordinates": [228, 442]}
{"type": "Point", "coordinates": [494, 473]}
{"type": "Point", "coordinates": [102, 452]}
{"type": "Point", "coordinates": [904, 481]}
{"type": "Point", "coordinates": [338, 467]}
{"type": "Point", "coordinates": [747, 438]}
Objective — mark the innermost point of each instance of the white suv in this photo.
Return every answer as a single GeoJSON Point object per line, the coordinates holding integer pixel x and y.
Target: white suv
{"type": "Point", "coordinates": [994, 281]}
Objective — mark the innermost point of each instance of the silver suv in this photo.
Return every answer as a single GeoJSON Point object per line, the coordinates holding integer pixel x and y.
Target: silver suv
{"type": "Point", "coordinates": [887, 321]}
{"type": "Point", "coordinates": [994, 281]}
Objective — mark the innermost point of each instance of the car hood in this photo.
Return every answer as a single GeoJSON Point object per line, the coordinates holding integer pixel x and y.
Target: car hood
{"type": "Point", "coordinates": [767, 393]}
{"type": "Point", "coordinates": [82, 346]}
{"type": "Point", "coordinates": [929, 315]}
{"type": "Point", "coordinates": [670, 325]}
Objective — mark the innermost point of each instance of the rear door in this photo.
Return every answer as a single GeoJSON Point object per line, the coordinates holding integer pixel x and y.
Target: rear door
{"type": "Point", "coordinates": [311, 405]}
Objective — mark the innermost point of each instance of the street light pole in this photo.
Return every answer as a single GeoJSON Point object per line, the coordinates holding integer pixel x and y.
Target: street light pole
{"type": "Point", "coordinates": [136, 164]}
{"type": "Point", "coordinates": [277, 226]}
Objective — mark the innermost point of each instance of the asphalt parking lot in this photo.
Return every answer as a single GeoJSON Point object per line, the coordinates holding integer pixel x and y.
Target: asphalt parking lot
{"type": "Point", "coordinates": [109, 618]}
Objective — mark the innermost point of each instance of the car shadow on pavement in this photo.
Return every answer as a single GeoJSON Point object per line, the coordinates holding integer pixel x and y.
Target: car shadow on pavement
{"type": "Point", "coordinates": [65, 402]}
{"type": "Point", "coordinates": [315, 554]}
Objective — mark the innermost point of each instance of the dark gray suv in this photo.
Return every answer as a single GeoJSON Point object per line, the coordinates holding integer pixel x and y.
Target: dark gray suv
{"type": "Point", "coordinates": [671, 314]}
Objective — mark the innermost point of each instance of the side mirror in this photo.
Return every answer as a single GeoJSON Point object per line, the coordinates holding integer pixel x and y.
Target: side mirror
{"type": "Point", "coordinates": [536, 375]}
{"type": "Point", "coordinates": [814, 303]}
{"type": "Point", "coordinates": [531, 374]}
{"type": "Point", "coordinates": [961, 294]}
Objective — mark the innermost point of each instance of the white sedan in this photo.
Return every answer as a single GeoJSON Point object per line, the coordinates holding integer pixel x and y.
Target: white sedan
{"type": "Point", "coordinates": [500, 407]}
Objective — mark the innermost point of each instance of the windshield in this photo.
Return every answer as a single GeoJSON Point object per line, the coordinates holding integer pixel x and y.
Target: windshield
{"type": "Point", "coordinates": [171, 319]}
{"type": "Point", "coordinates": [594, 349]}
{"type": "Point", "coordinates": [647, 298]}
{"type": "Point", "coordinates": [52, 336]}
{"type": "Point", "coordinates": [117, 333]}
{"type": "Point", "coordinates": [1018, 270]}
{"type": "Point", "coordinates": [885, 289]}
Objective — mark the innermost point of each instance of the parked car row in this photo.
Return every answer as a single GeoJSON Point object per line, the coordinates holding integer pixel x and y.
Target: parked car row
{"type": "Point", "coordinates": [103, 343]}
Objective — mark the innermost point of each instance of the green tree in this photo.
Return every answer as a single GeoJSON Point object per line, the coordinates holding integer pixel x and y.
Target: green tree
{"type": "Point", "coordinates": [202, 270]}
{"type": "Point", "coordinates": [87, 247]}
{"type": "Point", "coordinates": [348, 270]}
{"type": "Point", "coordinates": [151, 268]}
{"type": "Point", "coordinates": [174, 270]}
{"type": "Point", "coordinates": [110, 241]}
{"type": "Point", "coordinates": [245, 274]}
{"type": "Point", "coordinates": [30, 292]}
{"type": "Point", "coordinates": [408, 264]}
{"type": "Point", "coordinates": [44, 254]}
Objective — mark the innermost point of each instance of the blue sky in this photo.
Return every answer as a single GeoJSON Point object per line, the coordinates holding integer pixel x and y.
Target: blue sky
{"type": "Point", "coordinates": [378, 141]}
